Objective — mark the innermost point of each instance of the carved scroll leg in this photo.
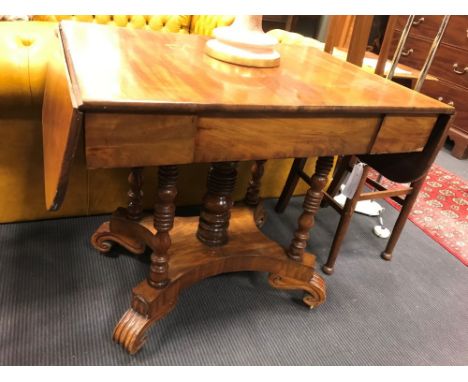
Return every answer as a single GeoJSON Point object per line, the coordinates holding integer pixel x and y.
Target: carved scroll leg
{"type": "Point", "coordinates": [130, 331]}
{"type": "Point", "coordinates": [311, 205]}
{"type": "Point", "coordinates": [217, 203]}
{"type": "Point", "coordinates": [164, 211]}
{"type": "Point", "coordinates": [147, 308]}
{"type": "Point", "coordinates": [252, 196]}
{"type": "Point", "coordinates": [315, 288]}
{"type": "Point", "coordinates": [103, 239]}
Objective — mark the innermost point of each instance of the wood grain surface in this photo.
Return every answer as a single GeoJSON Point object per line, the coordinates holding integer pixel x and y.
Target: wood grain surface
{"type": "Point", "coordinates": [157, 99]}
{"type": "Point", "coordinates": [415, 131]}
{"type": "Point", "coordinates": [159, 139]}
{"type": "Point", "coordinates": [192, 261]}
{"type": "Point", "coordinates": [427, 27]}
{"type": "Point", "coordinates": [151, 98]}
{"type": "Point", "coordinates": [221, 138]}
{"type": "Point", "coordinates": [61, 128]}
{"type": "Point", "coordinates": [453, 95]}
{"type": "Point", "coordinates": [128, 69]}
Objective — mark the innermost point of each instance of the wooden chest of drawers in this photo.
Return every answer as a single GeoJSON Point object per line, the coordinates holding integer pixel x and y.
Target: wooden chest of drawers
{"type": "Point", "coordinates": [450, 66]}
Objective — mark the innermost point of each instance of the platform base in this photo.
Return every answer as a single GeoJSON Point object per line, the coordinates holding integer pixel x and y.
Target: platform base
{"type": "Point", "coordinates": [191, 261]}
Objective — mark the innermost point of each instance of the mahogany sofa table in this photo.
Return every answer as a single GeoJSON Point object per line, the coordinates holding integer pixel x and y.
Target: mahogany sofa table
{"type": "Point", "coordinates": [142, 98]}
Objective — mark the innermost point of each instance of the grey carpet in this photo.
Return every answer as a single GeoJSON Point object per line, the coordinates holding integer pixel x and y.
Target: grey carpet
{"type": "Point", "coordinates": [59, 302]}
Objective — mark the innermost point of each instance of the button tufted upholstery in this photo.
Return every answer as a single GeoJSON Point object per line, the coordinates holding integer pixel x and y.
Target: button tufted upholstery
{"type": "Point", "coordinates": [205, 24]}
{"type": "Point", "coordinates": [199, 24]}
{"type": "Point", "coordinates": [25, 48]}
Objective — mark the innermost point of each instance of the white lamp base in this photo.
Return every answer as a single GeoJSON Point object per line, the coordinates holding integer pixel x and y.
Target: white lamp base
{"type": "Point", "coordinates": [244, 43]}
{"type": "Point", "coordinates": [365, 207]}
{"type": "Point", "coordinates": [242, 56]}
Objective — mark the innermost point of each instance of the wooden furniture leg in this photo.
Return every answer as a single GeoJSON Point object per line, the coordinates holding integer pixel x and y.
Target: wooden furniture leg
{"type": "Point", "coordinates": [359, 39]}
{"type": "Point", "coordinates": [135, 194]}
{"type": "Point", "coordinates": [252, 196]}
{"type": "Point", "coordinates": [290, 185]}
{"type": "Point", "coordinates": [346, 214]}
{"type": "Point", "coordinates": [217, 203]}
{"type": "Point", "coordinates": [406, 208]}
{"type": "Point", "coordinates": [164, 212]}
{"type": "Point", "coordinates": [311, 205]}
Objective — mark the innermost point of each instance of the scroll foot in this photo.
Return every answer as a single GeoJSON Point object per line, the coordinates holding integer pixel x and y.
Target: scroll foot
{"type": "Point", "coordinates": [103, 240]}
{"type": "Point", "coordinates": [130, 332]}
{"type": "Point", "coordinates": [314, 288]}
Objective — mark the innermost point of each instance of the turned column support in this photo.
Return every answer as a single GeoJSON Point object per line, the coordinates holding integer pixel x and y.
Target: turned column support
{"type": "Point", "coordinates": [311, 205]}
{"type": "Point", "coordinates": [217, 203]}
{"type": "Point", "coordinates": [252, 197]}
{"type": "Point", "coordinates": [135, 194]}
{"type": "Point", "coordinates": [164, 211]}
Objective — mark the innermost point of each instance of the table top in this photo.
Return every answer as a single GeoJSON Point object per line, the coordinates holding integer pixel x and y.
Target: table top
{"type": "Point", "coordinates": [148, 99]}
{"type": "Point", "coordinates": [127, 69]}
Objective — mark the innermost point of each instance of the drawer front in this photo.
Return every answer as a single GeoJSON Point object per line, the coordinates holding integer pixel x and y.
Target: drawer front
{"type": "Point", "coordinates": [456, 33]}
{"type": "Point", "coordinates": [177, 139]}
{"type": "Point", "coordinates": [414, 52]}
{"type": "Point", "coordinates": [454, 95]}
{"type": "Point", "coordinates": [423, 26]}
{"type": "Point", "coordinates": [449, 63]}
{"type": "Point", "coordinates": [400, 133]}
{"type": "Point", "coordinates": [112, 140]}
{"type": "Point", "coordinates": [221, 139]}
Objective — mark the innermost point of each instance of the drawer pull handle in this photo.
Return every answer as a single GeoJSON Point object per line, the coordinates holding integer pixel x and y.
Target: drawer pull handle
{"type": "Point", "coordinates": [407, 52]}
{"type": "Point", "coordinates": [451, 103]}
{"type": "Point", "coordinates": [456, 70]}
{"type": "Point", "coordinates": [418, 21]}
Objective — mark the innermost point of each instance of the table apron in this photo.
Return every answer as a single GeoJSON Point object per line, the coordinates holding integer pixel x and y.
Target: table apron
{"type": "Point", "coordinates": [113, 141]}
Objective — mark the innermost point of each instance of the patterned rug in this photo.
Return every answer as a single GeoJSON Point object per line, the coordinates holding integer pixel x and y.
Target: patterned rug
{"type": "Point", "coordinates": [441, 210]}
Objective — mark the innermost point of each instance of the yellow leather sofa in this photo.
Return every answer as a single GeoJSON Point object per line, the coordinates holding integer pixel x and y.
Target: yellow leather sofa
{"type": "Point", "coordinates": [25, 48]}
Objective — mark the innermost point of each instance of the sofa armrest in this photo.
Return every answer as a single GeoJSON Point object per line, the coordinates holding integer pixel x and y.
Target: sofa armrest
{"type": "Point", "coordinates": [205, 24]}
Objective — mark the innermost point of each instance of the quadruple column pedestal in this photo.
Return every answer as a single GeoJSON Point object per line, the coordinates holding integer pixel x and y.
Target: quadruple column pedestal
{"type": "Point", "coordinates": [225, 238]}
